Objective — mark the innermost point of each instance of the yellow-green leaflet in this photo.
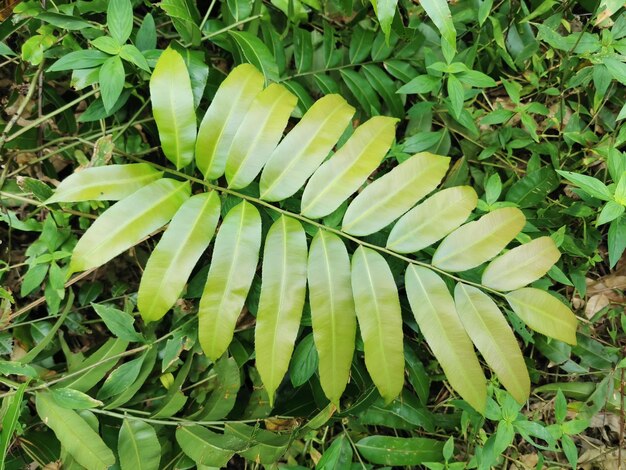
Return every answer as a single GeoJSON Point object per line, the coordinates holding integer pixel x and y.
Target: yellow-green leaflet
{"type": "Point", "coordinates": [390, 196]}
{"type": "Point", "coordinates": [493, 337]}
{"type": "Point", "coordinates": [435, 313]}
{"type": "Point", "coordinates": [432, 220]}
{"type": "Point", "coordinates": [333, 314]}
{"type": "Point", "coordinates": [223, 118]}
{"type": "Point", "coordinates": [305, 147]}
{"type": "Point", "coordinates": [233, 265]}
{"type": "Point", "coordinates": [347, 170]}
{"type": "Point", "coordinates": [258, 134]}
{"type": "Point", "coordinates": [380, 321]}
{"type": "Point", "coordinates": [522, 265]}
{"type": "Point", "coordinates": [283, 288]}
{"type": "Point", "coordinates": [172, 107]}
{"type": "Point", "coordinates": [128, 221]}
{"type": "Point", "coordinates": [76, 436]}
{"type": "Point", "coordinates": [172, 260]}
{"type": "Point", "coordinates": [105, 183]}
{"type": "Point", "coordinates": [544, 313]}
{"type": "Point", "coordinates": [476, 242]}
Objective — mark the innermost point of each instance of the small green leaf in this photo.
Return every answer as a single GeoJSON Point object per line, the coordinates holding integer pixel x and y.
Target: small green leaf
{"type": "Point", "coordinates": [592, 186]}
{"type": "Point", "coordinates": [120, 19]}
{"type": "Point", "coordinates": [400, 451]}
{"type": "Point", "coordinates": [131, 54]}
{"type": "Point", "coordinates": [107, 44]}
{"type": "Point", "coordinates": [118, 322]}
{"type": "Point", "coordinates": [257, 53]}
{"type": "Point", "coordinates": [338, 456]}
{"type": "Point", "coordinates": [138, 446]}
{"type": "Point", "coordinates": [16, 368]}
{"type": "Point", "coordinates": [303, 362]}
{"type": "Point", "coordinates": [611, 211]}
{"type": "Point", "coordinates": [385, 11]}
{"type": "Point", "coordinates": [439, 13]}
{"type": "Point", "coordinates": [121, 378]}
{"type": "Point", "coordinates": [111, 78]}
{"type": "Point", "coordinates": [206, 447]}
{"type": "Point", "coordinates": [84, 59]}
{"type": "Point", "coordinates": [456, 93]}
{"type": "Point", "coordinates": [146, 38]}
{"type": "Point", "coordinates": [73, 399]}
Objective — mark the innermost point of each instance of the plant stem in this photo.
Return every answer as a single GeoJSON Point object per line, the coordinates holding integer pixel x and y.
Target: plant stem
{"type": "Point", "coordinates": [317, 224]}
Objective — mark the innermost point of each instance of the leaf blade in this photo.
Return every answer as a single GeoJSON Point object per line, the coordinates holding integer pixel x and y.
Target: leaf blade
{"type": "Point", "coordinates": [282, 298]}
{"type": "Point", "coordinates": [390, 196]}
{"type": "Point", "coordinates": [333, 314]}
{"type": "Point", "coordinates": [435, 313]}
{"type": "Point", "coordinates": [487, 237]}
{"type": "Point", "coordinates": [172, 260]}
{"type": "Point", "coordinates": [173, 108]}
{"type": "Point", "coordinates": [128, 221]}
{"type": "Point", "coordinates": [521, 265]}
{"type": "Point", "coordinates": [138, 446]}
{"type": "Point", "coordinates": [375, 292]}
{"type": "Point", "coordinates": [344, 172]}
{"type": "Point", "coordinates": [234, 262]}
{"type": "Point", "coordinates": [494, 338]}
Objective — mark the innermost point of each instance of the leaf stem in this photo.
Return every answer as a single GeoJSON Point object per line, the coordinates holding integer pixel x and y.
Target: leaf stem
{"type": "Point", "coordinates": [316, 224]}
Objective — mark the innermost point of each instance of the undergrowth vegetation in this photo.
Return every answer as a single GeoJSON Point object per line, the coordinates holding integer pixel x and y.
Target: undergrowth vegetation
{"type": "Point", "coordinates": [312, 234]}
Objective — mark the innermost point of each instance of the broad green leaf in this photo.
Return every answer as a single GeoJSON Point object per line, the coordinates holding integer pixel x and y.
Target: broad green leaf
{"type": "Point", "coordinates": [258, 134]}
{"type": "Point", "coordinates": [111, 78]}
{"type": "Point", "coordinates": [121, 378]}
{"type": "Point", "coordinates": [185, 18]}
{"type": "Point", "coordinates": [338, 456]}
{"type": "Point", "coordinates": [380, 321]}
{"type": "Point", "coordinates": [305, 147]}
{"type": "Point", "coordinates": [385, 11]}
{"type": "Point", "coordinates": [362, 91]}
{"type": "Point", "coordinates": [173, 109]}
{"type": "Point", "coordinates": [432, 220]}
{"type": "Point", "coordinates": [206, 447]}
{"type": "Point", "coordinates": [399, 451]}
{"type": "Point", "coordinates": [120, 323]}
{"type": "Point", "coordinates": [521, 265]}
{"type": "Point", "coordinates": [257, 53]}
{"type": "Point", "coordinates": [385, 87]}
{"type": "Point", "coordinates": [105, 183]}
{"type": "Point", "coordinates": [592, 186]}
{"type": "Point", "coordinates": [17, 368]}
{"type": "Point", "coordinates": [96, 366]}
{"type": "Point", "coordinates": [146, 37]}
{"type": "Point", "coordinates": [233, 265]}
{"type": "Point", "coordinates": [476, 242]}
{"type": "Point", "coordinates": [435, 313]}
{"type": "Point", "coordinates": [223, 118]}
{"type": "Point", "coordinates": [138, 446]}
{"type": "Point", "coordinates": [73, 399]}
{"type": "Point", "coordinates": [129, 392]}
{"type": "Point", "coordinates": [439, 13]}
{"type": "Point", "coordinates": [347, 170]}
{"type": "Point", "coordinates": [222, 398]}
{"type": "Point", "coordinates": [266, 447]}
{"type": "Point", "coordinates": [128, 221]}
{"type": "Point", "coordinates": [544, 313]}
{"type": "Point", "coordinates": [390, 196]}
{"type": "Point", "coordinates": [77, 60]}
{"type": "Point", "coordinates": [172, 260]}
{"type": "Point", "coordinates": [304, 361]}
{"type": "Point", "coordinates": [456, 94]}
{"type": "Point", "coordinates": [120, 19]}
{"type": "Point", "coordinates": [131, 54]}
{"type": "Point", "coordinates": [493, 337]}
{"type": "Point", "coordinates": [611, 211]}
{"type": "Point", "coordinates": [283, 289]}
{"type": "Point", "coordinates": [333, 315]}
{"type": "Point", "coordinates": [76, 436]}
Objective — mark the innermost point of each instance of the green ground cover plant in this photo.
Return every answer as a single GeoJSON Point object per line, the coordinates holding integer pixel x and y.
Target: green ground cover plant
{"type": "Point", "coordinates": [307, 234]}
